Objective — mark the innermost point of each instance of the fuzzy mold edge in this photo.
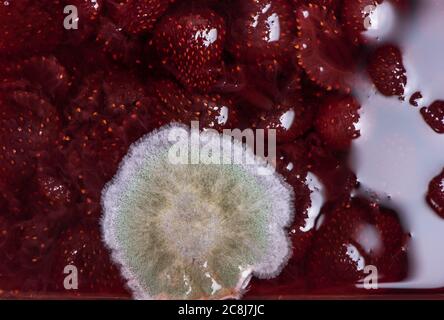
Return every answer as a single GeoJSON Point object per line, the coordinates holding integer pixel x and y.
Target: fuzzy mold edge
{"type": "Point", "coordinates": [280, 239]}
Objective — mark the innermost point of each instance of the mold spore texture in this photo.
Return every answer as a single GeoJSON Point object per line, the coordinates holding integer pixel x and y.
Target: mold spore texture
{"type": "Point", "coordinates": [194, 231]}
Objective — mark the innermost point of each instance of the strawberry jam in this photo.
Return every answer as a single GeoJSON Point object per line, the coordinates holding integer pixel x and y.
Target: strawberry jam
{"type": "Point", "coordinates": [353, 90]}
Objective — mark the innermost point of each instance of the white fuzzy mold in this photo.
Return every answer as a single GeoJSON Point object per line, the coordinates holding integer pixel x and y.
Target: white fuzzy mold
{"type": "Point", "coordinates": [195, 231]}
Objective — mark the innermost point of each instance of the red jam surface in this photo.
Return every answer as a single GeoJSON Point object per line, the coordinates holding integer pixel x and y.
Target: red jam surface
{"type": "Point", "coordinates": [353, 88]}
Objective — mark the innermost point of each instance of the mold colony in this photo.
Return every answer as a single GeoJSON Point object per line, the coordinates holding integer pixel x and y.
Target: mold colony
{"type": "Point", "coordinates": [195, 231]}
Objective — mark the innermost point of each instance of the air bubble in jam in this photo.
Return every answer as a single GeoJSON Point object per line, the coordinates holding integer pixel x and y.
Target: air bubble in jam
{"type": "Point", "coordinates": [398, 154]}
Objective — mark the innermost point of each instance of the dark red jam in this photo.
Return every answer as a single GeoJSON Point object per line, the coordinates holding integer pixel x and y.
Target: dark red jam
{"type": "Point", "coordinates": [353, 89]}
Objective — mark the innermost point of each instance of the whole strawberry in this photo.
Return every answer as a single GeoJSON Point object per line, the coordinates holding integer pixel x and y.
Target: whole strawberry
{"type": "Point", "coordinates": [435, 194]}
{"type": "Point", "coordinates": [190, 44]}
{"type": "Point", "coordinates": [434, 116]}
{"type": "Point", "coordinates": [387, 70]}
{"type": "Point", "coordinates": [353, 240]}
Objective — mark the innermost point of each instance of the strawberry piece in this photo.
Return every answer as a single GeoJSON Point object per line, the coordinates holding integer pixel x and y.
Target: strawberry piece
{"type": "Point", "coordinates": [28, 124]}
{"type": "Point", "coordinates": [54, 191]}
{"type": "Point", "coordinates": [9, 277]}
{"type": "Point", "coordinates": [414, 98]}
{"type": "Point", "coordinates": [48, 205]}
{"type": "Point", "coordinates": [36, 239]}
{"type": "Point", "coordinates": [351, 237]}
{"type": "Point", "coordinates": [291, 159]}
{"type": "Point", "coordinates": [89, 58]}
{"type": "Point", "coordinates": [43, 75]}
{"type": "Point", "coordinates": [434, 116]}
{"type": "Point", "coordinates": [266, 78]}
{"type": "Point", "coordinates": [26, 253]}
{"type": "Point", "coordinates": [291, 163]}
{"type": "Point", "coordinates": [386, 69]}
{"type": "Point", "coordinates": [115, 93]}
{"type": "Point", "coordinates": [8, 84]}
{"type": "Point", "coordinates": [174, 103]}
{"type": "Point", "coordinates": [266, 87]}
{"type": "Point", "coordinates": [27, 27]}
{"type": "Point", "coordinates": [322, 3]}
{"type": "Point", "coordinates": [36, 122]}
{"type": "Point", "coordinates": [262, 31]}
{"type": "Point", "coordinates": [274, 82]}
{"type": "Point", "coordinates": [329, 4]}
{"type": "Point", "coordinates": [93, 157]}
{"type": "Point", "coordinates": [88, 10]}
{"type": "Point", "coordinates": [435, 194]}
{"type": "Point", "coordinates": [117, 45]}
{"type": "Point", "coordinates": [232, 79]}
{"type": "Point", "coordinates": [122, 92]}
{"type": "Point", "coordinates": [253, 97]}
{"type": "Point", "coordinates": [50, 193]}
{"type": "Point", "coordinates": [290, 85]}
{"type": "Point", "coordinates": [216, 112]}
{"type": "Point", "coordinates": [290, 122]}
{"type": "Point", "coordinates": [96, 147]}
{"type": "Point", "coordinates": [190, 45]}
{"type": "Point", "coordinates": [333, 6]}
{"type": "Point", "coordinates": [141, 120]}
{"type": "Point", "coordinates": [213, 111]}
{"type": "Point", "coordinates": [291, 115]}
{"type": "Point", "coordinates": [137, 16]}
{"type": "Point", "coordinates": [336, 121]}
{"type": "Point", "coordinates": [323, 51]}
{"type": "Point", "coordinates": [84, 173]}
{"type": "Point", "coordinates": [89, 13]}
{"type": "Point", "coordinates": [82, 247]}
{"type": "Point", "coordinates": [331, 168]}
{"type": "Point", "coordinates": [10, 204]}
{"type": "Point", "coordinates": [4, 230]}
{"type": "Point", "coordinates": [47, 76]}
{"type": "Point", "coordinates": [133, 108]}
{"type": "Point", "coordinates": [354, 15]}
{"type": "Point", "coordinates": [86, 103]}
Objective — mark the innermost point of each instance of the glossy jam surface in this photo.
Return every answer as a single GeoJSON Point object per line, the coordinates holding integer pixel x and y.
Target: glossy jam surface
{"type": "Point", "coordinates": [352, 88]}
